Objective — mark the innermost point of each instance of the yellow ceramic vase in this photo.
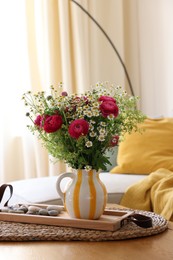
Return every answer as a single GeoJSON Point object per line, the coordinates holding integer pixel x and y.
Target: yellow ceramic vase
{"type": "Point", "coordinates": [86, 196]}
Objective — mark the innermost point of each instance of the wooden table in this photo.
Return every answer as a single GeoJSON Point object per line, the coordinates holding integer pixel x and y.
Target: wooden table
{"type": "Point", "coordinates": [158, 247]}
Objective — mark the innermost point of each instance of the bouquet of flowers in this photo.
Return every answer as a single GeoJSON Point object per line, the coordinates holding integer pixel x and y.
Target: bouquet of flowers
{"type": "Point", "coordinates": [79, 129]}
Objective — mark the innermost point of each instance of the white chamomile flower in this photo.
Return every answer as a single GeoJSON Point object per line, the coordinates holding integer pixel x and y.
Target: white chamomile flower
{"type": "Point", "coordinates": [102, 123]}
{"type": "Point", "coordinates": [102, 131]}
{"type": "Point", "coordinates": [91, 127]}
{"type": "Point", "coordinates": [88, 144]}
{"type": "Point", "coordinates": [86, 107]}
{"type": "Point", "coordinates": [92, 134]}
{"type": "Point", "coordinates": [92, 122]}
{"type": "Point", "coordinates": [85, 112]}
{"type": "Point", "coordinates": [111, 116]}
{"type": "Point", "coordinates": [95, 105]}
{"type": "Point", "coordinates": [88, 113]}
{"type": "Point", "coordinates": [101, 138]}
{"type": "Point", "coordinates": [88, 168]}
{"type": "Point", "coordinates": [95, 113]}
{"type": "Point", "coordinates": [79, 109]}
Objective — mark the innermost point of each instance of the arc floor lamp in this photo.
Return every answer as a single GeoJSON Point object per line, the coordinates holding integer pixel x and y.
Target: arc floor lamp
{"type": "Point", "coordinates": [111, 43]}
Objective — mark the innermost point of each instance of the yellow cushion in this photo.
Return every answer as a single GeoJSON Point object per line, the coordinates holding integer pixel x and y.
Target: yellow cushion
{"type": "Point", "coordinates": [149, 151]}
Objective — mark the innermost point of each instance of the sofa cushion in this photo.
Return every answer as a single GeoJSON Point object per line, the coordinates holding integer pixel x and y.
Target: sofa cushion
{"type": "Point", "coordinates": [43, 190]}
{"type": "Point", "coordinates": [143, 153]}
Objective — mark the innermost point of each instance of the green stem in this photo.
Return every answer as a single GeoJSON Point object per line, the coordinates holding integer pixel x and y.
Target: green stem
{"type": "Point", "coordinates": [66, 123]}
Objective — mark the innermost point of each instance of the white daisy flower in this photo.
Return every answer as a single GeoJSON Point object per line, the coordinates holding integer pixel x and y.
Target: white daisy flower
{"type": "Point", "coordinates": [95, 105]}
{"type": "Point", "coordinates": [88, 144]}
{"type": "Point", "coordinates": [101, 138]}
{"type": "Point", "coordinates": [91, 127]}
{"type": "Point", "coordinates": [79, 109]}
{"type": "Point", "coordinates": [95, 113]}
{"type": "Point", "coordinates": [102, 123]}
{"type": "Point", "coordinates": [88, 167]}
{"type": "Point", "coordinates": [92, 122]}
{"type": "Point", "coordinates": [102, 131]}
{"type": "Point", "coordinates": [88, 113]}
{"type": "Point", "coordinates": [92, 134]}
{"type": "Point", "coordinates": [111, 116]}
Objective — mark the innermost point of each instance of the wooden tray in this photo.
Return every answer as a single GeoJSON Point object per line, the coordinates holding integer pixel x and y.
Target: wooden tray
{"type": "Point", "coordinates": [111, 220]}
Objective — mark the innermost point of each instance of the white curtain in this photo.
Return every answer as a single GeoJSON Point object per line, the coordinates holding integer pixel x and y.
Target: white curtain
{"type": "Point", "coordinates": [156, 56]}
{"type": "Point", "coordinates": [44, 42]}
{"type": "Point", "coordinates": [148, 42]}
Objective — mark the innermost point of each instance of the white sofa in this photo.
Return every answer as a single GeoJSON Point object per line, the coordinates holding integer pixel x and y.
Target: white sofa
{"type": "Point", "coordinates": [43, 190]}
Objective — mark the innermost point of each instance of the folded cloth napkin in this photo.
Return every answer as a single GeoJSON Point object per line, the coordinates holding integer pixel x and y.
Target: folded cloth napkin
{"type": "Point", "coordinates": [153, 193]}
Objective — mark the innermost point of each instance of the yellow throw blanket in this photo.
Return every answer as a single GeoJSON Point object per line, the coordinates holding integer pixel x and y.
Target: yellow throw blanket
{"type": "Point", "coordinates": [153, 193]}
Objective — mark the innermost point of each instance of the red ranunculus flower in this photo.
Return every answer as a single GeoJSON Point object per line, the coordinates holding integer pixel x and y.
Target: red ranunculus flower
{"type": "Point", "coordinates": [52, 123]}
{"type": "Point", "coordinates": [114, 140]}
{"type": "Point", "coordinates": [109, 107]}
{"type": "Point", "coordinates": [107, 98]}
{"type": "Point", "coordinates": [38, 120]}
{"type": "Point", "coordinates": [78, 127]}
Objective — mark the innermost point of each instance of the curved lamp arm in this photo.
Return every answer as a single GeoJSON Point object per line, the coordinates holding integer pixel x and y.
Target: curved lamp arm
{"type": "Point", "coordinates": [111, 43]}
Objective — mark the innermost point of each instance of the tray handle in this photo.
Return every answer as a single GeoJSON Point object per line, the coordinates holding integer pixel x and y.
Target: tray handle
{"type": "Point", "coordinates": [140, 220]}
{"type": "Point", "coordinates": [2, 191]}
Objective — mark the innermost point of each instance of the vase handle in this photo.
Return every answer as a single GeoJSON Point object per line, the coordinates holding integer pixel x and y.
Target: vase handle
{"type": "Point", "coordinates": [58, 183]}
